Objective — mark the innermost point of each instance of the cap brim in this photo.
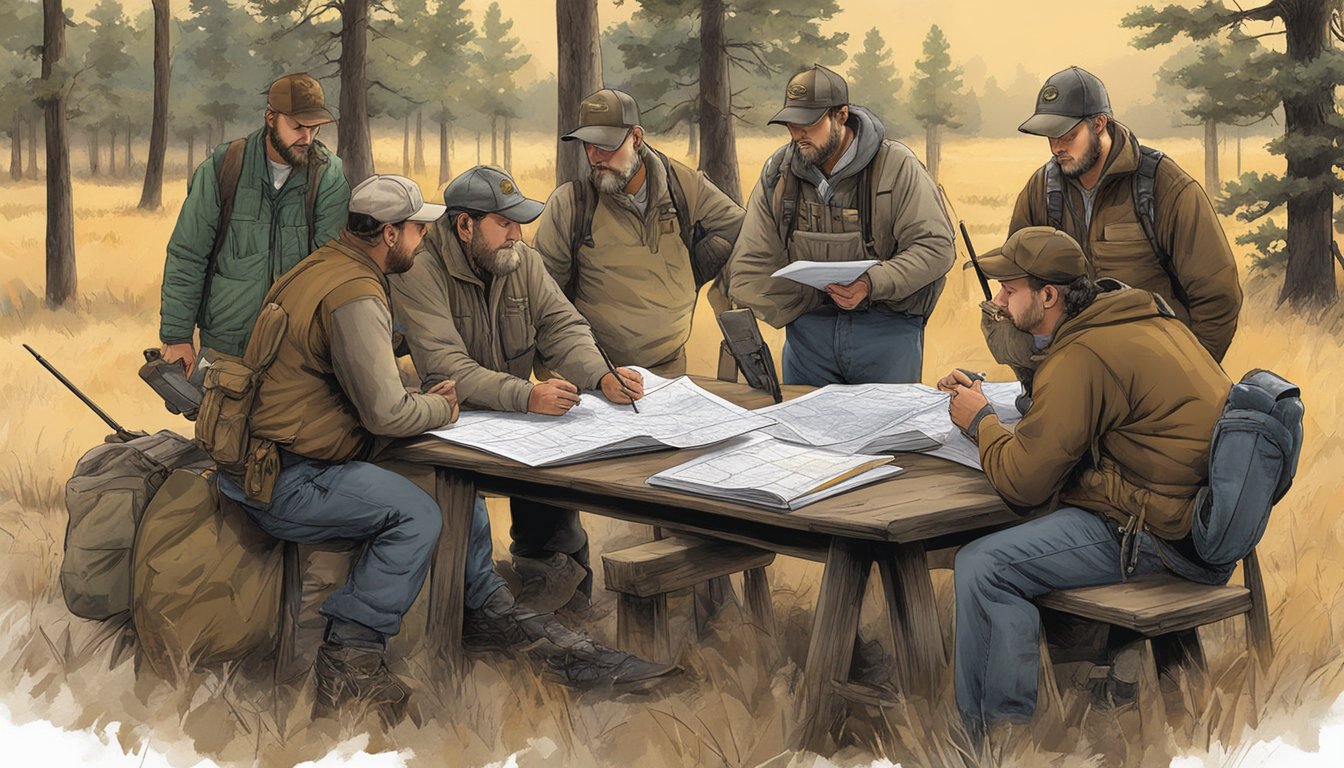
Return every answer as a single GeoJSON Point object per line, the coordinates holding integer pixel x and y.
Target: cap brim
{"type": "Point", "coordinates": [430, 212]}
{"type": "Point", "coordinates": [316, 116]}
{"type": "Point", "coordinates": [996, 266]}
{"type": "Point", "coordinates": [1049, 126]}
{"type": "Point", "coordinates": [798, 115]}
{"type": "Point", "coordinates": [524, 211]}
{"type": "Point", "coordinates": [606, 137]}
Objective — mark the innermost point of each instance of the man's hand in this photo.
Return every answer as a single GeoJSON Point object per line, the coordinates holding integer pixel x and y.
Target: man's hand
{"type": "Point", "coordinates": [447, 389]}
{"type": "Point", "coordinates": [852, 295]}
{"type": "Point", "coordinates": [633, 386]}
{"type": "Point", "coordinates": [966, 403]}
{"type": "Point", "coordinates": [956, 378]}
{"type": "Point", "coordinates": [553, 397]}
{"type": "Point", "coordinates": [183, 353]}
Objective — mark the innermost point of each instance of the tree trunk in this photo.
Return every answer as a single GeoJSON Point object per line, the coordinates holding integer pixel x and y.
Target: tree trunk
{"type": "Point", "coordinates": [494, 138]}
{"type": "Point", "coordinates": [718, 141]}
{"type": "Point", "coordinates": [578, 73]}
{"type": "Point", "coordinates": [419, 141]}
{"type": "Point", "coordinates": [508, 143]}
{"type": "Point", "coordinates": [32, 149]}
{"type": "Point", "coordinates": [933, 150]}
{"type": "Point", "coordinates": [478, 146]}
{"type": "Point", "coordinates": [693, 143]}
{"type": "Point", "coordinates": [219, 125]}
{"type": "Point", "coordinates": [1238, 151]}
{"type": "Point", "coordinates": [191, 156]}
{"type": "Point", "coordinates": [1212, 183]}
{"type": "Point", "coordinates": [445, 171]}
{"type": "Point", "coordinates": [129, 166]}
{"type": "Point", "coordinates": [16, 149]}
{"type": "Point", "coordinates": [61, 283]}
{"type": "Point", "coordinates": [406, 145]}
{"type": "Point", "coordinates": [151, 195]}
{"type": "Point", "coordinates": [112, 153]}
{"type": "Point", "coordinates": [1309, 279]}
{"type": "Point", "coordinates": [354, 144]}
{"type": "Point", "coordinates": [95, 153]}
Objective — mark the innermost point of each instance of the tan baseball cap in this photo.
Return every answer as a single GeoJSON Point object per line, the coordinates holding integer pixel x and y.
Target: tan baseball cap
{"type": "Point", "coordinates": [809, 94]}
{"type": "Point", "coordinates": [301, 97]}
{"type": "Point", "coordinates": [1044, 253]}
{"type": "Point", "coordinates": [392, 199]}
{"type": "Point", "coordinates": [605, 118]}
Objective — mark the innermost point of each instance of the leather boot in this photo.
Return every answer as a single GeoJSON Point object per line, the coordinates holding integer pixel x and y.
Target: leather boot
{"type": "Point", "coordinates": [349, 676]}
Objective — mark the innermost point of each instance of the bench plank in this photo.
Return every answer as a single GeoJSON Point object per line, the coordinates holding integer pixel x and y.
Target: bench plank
{"type": "Point", "coordinates": [678, 562]}
{"type": "Point", "coordinates": [1152, 605]}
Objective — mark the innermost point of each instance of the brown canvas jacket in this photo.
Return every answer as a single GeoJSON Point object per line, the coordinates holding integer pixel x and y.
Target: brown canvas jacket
{"type": "Point", "coordinates": [1186, 226]}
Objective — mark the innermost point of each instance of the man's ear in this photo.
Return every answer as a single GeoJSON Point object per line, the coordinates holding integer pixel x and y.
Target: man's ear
{"type": "Point", "coordinates": [638, 133]}
{"type": "Point", "coordinates": [1051, 296]}
{"type": "Point", "coordinates": [842, 114]}
{"type": "Point", "coordinates": [462, 224]}
{"type": "Point", "coordinates": [1102, 122]}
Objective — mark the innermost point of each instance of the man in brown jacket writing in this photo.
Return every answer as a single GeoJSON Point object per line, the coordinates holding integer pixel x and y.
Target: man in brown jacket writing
{"type": "Point", "coordinates": [1125, 403]}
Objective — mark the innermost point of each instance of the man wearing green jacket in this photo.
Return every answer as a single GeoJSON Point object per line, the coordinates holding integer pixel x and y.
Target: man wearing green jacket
{"type": "Point", "coordinates": [275, 221]}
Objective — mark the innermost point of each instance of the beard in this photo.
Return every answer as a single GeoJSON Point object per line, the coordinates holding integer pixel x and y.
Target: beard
{"type": "Point", "coordinates": [497, 261]}
{"type": "Point", "coordinates": [1031, 317]}
{"type": "Point", "coordinates": [295, 156]}
{"type": "Point", "coordinates": [1085, 163]}
{"type": "Point", "coordinates": [610, 180]}
{"type": "Point", "coordinates": [400, 258]}
{"type": "Point", "coordinates": [817, 155]}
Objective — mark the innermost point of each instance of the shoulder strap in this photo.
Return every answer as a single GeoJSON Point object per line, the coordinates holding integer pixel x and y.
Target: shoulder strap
{"type": "Point", "coordinates": [317, 166]}
{"type": "Point", "coordinates": [584, 206]}
{"type": "Point", "coordinates": [786, 198]}
{"type": "Point", "coordinates": [1145, 208]}
{"type": "Point", "coordinates": [867, 201]}
{"type": "Point", "coordinates": [226, 178]}
{"type": "Point", "coordinates": [678, 195]}
{"type": "Point", "coordinates": [1054, 195]}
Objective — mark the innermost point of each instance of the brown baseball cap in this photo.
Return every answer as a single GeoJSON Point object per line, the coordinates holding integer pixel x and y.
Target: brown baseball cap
{"type": "Point", "coordinates": [605, 118]}
{"type": "Point", "coordinates": [1044, 253]}
{"type": "Point", "coordinates": [809, 94]}
{"type": "Point", "coordinates": [301, 97]}
{"type": "Point", "coordinates": [1067, 97]}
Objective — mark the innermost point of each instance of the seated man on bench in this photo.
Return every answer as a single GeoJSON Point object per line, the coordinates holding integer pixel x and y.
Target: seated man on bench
{"type": "Point", "coordinates": [1116, 440]}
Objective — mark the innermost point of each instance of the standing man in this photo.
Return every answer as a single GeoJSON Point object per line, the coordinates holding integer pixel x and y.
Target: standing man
{"type": "Point", "coordinates": [1139, 218]}
{"type": "Point", "coordinates": [479, 308]}
{"type": "Point", "coordinates": [632, 244]}
{"type": "Point", "coordinates": [840, 191]}
{"type": "Point", "coordinates": [289, 196]}
{"type": "Point", "coordinates": [1120, 441]}
{"type": "Point", "coordinates": [332, 388]}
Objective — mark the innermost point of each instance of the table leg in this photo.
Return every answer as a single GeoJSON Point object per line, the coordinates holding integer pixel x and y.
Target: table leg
{"type": "Point", "coordinates": [831, 649]}
{"type": "Point", "coordinates": [915, 634]}
{"type": "Point", "coordinates": [443, 631]}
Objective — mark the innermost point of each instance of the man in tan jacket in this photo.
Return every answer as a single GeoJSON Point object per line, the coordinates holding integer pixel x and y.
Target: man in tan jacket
{"type": "Point", "coordinates": [632, 244]}
{"type": "Point", "coordinates": [841, 191]}
{"type": "Point", "coordinates": [479, 308]}
{"type": "Point", "coordinates": [1125, 403]}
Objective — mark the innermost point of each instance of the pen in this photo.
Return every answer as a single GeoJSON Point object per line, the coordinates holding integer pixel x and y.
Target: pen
{"type": "Point", "coordinates": [619, 380]}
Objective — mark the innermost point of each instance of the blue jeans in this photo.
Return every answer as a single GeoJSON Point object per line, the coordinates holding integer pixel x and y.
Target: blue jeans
{"type": "Point", "coordinates": [863, 346]}
{"type": "Point", "coordinates": [315, 501]}
{"type": "Point", "coordinates": [998, 625]}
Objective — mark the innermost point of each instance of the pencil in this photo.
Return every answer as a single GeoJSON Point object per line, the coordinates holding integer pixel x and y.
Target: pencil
{"type": "Point", "coordinates": [619, 380]}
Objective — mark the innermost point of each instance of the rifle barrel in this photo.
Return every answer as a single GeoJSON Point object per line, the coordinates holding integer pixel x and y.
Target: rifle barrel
{"type": "Point", "coordinates": [970, 249]}
{"type": "Point", "coordinates": [70, 386]}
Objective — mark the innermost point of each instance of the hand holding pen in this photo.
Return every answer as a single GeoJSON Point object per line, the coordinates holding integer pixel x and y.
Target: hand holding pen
{"type": "Point", "coordinates": [622, 385]}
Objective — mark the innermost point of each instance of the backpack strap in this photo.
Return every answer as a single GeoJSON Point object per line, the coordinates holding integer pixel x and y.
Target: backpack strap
{"type": "Point", "coordinates": [1054, 194]}
{"type": "Point", "coordinates": [868, 201]}
{"type": "Point", "coordinates": [1145, 208]}
{"type": "Point", "coordinates": [317, 166]}
{"type": "Point", "coordinates": [227, 173]}
{"type": "Point", "coordinates": [677, 192]}
{"type": "Point", "coordinates": [580, 229]}
{"type": "Point", "coordinates": [785, 197]}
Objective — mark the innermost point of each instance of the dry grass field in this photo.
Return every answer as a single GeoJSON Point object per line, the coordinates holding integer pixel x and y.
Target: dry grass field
{"type": "Point", "coordinates": [733, 709]}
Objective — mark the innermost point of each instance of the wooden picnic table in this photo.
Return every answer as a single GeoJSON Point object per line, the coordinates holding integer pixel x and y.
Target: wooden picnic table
{"type": "Point", "coordinates": [932, 505]}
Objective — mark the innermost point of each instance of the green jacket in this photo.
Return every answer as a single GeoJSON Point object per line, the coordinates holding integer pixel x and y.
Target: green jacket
{"type": "Point", "coordinates": [267, 234]}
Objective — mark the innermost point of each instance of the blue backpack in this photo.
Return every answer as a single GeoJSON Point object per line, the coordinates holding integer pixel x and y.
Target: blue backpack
{"type": "Point", "coordinates": [1252, 461]}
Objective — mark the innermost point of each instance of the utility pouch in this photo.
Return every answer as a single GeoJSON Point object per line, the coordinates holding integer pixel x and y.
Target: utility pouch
{"type": "Point", "coordinates": [744, 341]}
{"type": "Point", "coordinates": [223, 423]}
{"type": "Point", "coordinates": [260, 470]}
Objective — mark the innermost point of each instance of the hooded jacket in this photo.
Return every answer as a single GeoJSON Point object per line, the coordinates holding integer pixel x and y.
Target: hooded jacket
{"type": "Point", "coordinates": [1124, 404]}
{"type": "Point", "coordinates": [911, 232]}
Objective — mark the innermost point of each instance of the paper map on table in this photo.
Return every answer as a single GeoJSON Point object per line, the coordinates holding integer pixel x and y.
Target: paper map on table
{"type": "Point", "coordinates": [959, 448]}
{"type": "Point", "coordinates": [758, 469]}
{"type": "Point", "coordinates": [859, 418]}
{"type": "Point", "coordinates": [672, 414]}
{"type": "Point", "coordinates": [820, 274]}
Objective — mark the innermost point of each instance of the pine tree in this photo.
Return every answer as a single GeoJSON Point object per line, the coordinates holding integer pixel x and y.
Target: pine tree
{"type": "Point", "coordinates": [873, 82]}
{"type": "Point", "coordinates": [937, 91]}
{"type": "Point", "coordinates": [447, 36]}
{"type": "Point", "coordinates": [498, 58]}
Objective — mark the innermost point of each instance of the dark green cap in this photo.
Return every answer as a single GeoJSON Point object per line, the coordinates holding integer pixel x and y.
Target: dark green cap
{"type": "Point", "coordinates": [1066, 98]}
{"type": "Point", "coordinates": [605, 118]}
{"type": "Point", "coordinates": [1044, 253]}
{"type": "Point", "coordinates": [809, 94]}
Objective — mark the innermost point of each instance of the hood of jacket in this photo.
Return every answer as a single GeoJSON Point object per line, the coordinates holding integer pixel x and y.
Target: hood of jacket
{"type": "Point", "coordinates": [868, 136]}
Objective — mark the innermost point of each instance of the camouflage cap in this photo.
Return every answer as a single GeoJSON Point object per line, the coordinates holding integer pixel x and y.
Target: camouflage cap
{"type": "Point", "coordinates": [1044, 253]}
{"type": "Point", "coordinates": [1066, 98]}
{"type": "Point", "coordinates": [301, 97]}
{"type": "Point", "coordinates": [809, 94]}
{"type": "Point", "coordinates": [605, 118]}
{"type": "Point", "coordinates": [488, 189]}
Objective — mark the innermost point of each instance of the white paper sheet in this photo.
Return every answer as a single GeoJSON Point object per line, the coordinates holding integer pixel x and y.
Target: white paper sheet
{"type": "Point", "coordinates": [820, 274]}
{"type": "Point", "coordinates": [859, 418]}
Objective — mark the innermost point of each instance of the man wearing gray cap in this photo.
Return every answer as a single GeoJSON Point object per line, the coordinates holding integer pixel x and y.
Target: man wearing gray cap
{"type": "Point", "coordinates": [632, 244]}
{"type": "Point", "coordinates": [1138, 216]}
{"type": "Point", "coordinates": [479, 308]}
{"type": "Point", "coordinates": [1125, 402]}
{"type": "Point", "coordinates": [841, 191]}
{"type": "Point", "coordinates": [254, 208]}
{"type": "Point", "coordinates": [327, 388]}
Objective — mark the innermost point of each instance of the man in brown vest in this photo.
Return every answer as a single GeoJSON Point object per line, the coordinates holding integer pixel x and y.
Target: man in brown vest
{"type": "Point", "coordinates": [332, 389]}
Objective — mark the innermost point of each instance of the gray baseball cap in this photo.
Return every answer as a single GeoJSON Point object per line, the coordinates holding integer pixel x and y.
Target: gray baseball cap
{"type": "Point", "coordinates": [1066, 98]}
{"type": "Point", "coordinates": [488, 189]}
{"type": "Point", "coordinates": [392, 199]}
{"type": "Point", "coordinates": [605, 118]}
{"type": "Point", "coordinates": [809, 94]}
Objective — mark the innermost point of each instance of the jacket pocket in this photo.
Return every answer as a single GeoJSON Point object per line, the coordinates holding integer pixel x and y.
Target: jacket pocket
{"type": "Point", "coordinates": [826, 246]}
{"type": "Point", "coordinates": [517, 336]}
{"type": "Point", "coordinates": [222, 424]}
{"type": "Point", "coordinates": [1132, 262]}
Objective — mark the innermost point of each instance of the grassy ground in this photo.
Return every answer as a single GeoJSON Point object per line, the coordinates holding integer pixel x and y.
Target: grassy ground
{"type": "Point", "coordinates": [734, 708]}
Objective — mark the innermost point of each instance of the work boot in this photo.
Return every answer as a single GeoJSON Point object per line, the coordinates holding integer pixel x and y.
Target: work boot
{"type": "Point", "coordinates": [494, 626]}
{"type": "Point", "coordinates": [548, 583]}
{"type": "Point", "coordinates": [574, 659]}
{"type": "Point", "coordinates": [1120, 687]}
{"type": "Point", "coordinates": [349, 675]}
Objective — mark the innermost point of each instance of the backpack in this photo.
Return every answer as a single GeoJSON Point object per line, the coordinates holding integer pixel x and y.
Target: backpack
{"type": "Point", "coordinates": [1253, 457]}
{"type": "Point", "coordinates": [228, 168]}
{"type": "Point", "coordinates": [106, 498]}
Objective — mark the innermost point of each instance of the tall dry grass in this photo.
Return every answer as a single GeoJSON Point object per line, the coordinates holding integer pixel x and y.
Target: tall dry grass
{"type": "Point", "coordinates": [735, 707]}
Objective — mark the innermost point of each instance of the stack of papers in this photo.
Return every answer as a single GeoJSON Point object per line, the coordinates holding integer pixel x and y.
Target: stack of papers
{"type": "Point", "coordinates": [954, 446]}
{"type": "Point", "coordinates": [862, 418]}
{"type": "Point", "coordinates": [820, 274]}
{"type": "Point", "coordinates": [761, 470]}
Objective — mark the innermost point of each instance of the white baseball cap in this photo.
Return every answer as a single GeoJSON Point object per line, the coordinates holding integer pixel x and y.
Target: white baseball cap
{"type": "Point", "coordinates": [391, 199]}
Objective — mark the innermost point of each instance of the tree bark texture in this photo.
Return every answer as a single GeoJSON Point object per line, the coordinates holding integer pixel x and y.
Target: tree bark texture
{"type": "Point", "coordinates": [112, 152]}
{"type": "Point", "coordinates": [16, 148]}
{"type": "Point", "coordinates": [494, 138]}
{"type": "Point", "coordinates": [31, 172]}
{"type": "Point", "coordinates": [95, 158]}
{"type": "Point", "coordinates": [1212, 182]}
{"type": "Point", "coordinates": [933, 149]}
{"type": "Point", "coordinates": [151, 195]}
{"type": "Point", "coordinates": [419, 141]}
{"type": "Point", "coordinates": [508, 143]}
{"type": "Point", "coordinates": [579, 73]}
{"type": "Point", "coordinates": [191, 156]}
{"type": "Point", "coordinates": [61, 282]}
{"type": "Point", "coordinates": [718, 140]}
{"type": "Point", "coordinates": [354, 144]}
{"type": "Point", "coordinates": [445, 171]}
{"type": "Point", "coordinates": [406, 145]}
{"type": "Point", "coordinates": [129, 165]}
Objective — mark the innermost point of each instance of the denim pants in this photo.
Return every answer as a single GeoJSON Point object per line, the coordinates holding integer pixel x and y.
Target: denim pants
{"type": "Point", "coordinates": [315, 501]}
{"type": "Point", "coordinates": [862, 346]}
{"type": "Point", "coordinates": [998, 626]}
{"type": "Point", "coordinates": [540, 529]}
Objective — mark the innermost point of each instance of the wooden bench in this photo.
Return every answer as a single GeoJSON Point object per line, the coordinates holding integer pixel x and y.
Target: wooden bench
{"type": "Point", "coordinates": [644, 574]}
